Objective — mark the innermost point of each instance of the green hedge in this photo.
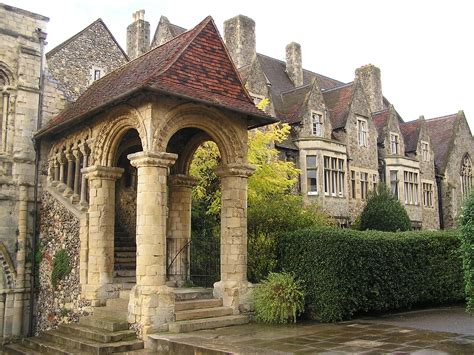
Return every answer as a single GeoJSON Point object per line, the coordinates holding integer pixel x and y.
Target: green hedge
{"type": "Point", "coordinates": [348, 272]}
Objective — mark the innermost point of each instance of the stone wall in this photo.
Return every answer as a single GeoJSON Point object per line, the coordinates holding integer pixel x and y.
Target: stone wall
{"type": "Point", "coordinates": [73, 70]}
{"type": "Point", "coordinates": [59, 229]}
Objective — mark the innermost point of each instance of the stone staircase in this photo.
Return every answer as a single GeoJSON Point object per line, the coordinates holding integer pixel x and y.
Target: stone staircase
{"type": "Point", "coordinates": [125, 259]}
{"type": "Point", "coordinates": [195, 309]}
{"type": "Point", "coordinates": [105, 332]}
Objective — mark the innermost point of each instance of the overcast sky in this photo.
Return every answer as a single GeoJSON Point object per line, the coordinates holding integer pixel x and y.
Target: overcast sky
{"type": "Point", "coordinates": [423, 48]}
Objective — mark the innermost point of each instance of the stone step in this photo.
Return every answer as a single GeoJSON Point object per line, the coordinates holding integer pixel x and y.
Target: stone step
{"type": "Point", "coordinates": [106, 323]}
{"type": "Point", "coordinates": [124, 286]}
{"type": "Point", "coordinates": [125, 248]}
{"type": "Point", "coordinates": [95, 334]}
{"type": "Point", "coordinates": [125, 279]}
{"type": "Point", "coordinates": [195, 293]}
{"type": "Point", "coordinates": [19, 349]}
{"type": "Point", "coordinates": [125, 273]}
{"type": "Point", "coordinates": [197, 304]}
{"type": "Point", "coordinates": [90, 346]}
{"type": "Point", "coordinates": [44, 345]}
{"type": "Point", "coordinates": [185, 326]}
{"type": "Point", "coordinates": [125, 260]}
{"type": "Point", "coordinates": [125, 254]}
{"type": "Point", "coordinates": [125, 267]}
{"type": "Point", "coordinates": [203, 313]}
{"type": "Point", "coordinates": [124, 294]}
{"type": "Point", "coordinates": [117, 303]}
{"type": "Point", "coordinates": [117, 313]}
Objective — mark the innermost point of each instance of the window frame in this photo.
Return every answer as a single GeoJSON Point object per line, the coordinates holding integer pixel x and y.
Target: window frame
{"type": "Point", "coordinates": [425, 153]}
{"type": "Point", "coordinates": [315, 124]}
{"type": "Point", "coordinates": [362, 131]}
{"type": "Point", "coordinates": [315, 169]}
{"type": "Point", "coordinates": [396, 142]}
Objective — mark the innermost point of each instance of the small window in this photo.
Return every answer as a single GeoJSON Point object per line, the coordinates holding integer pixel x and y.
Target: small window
{"type": "Point", "coordinates": [97, 73]}
{"type": "Point", "coordinates": [362, 132]}
{"type": "Point", "coordinates": [425, 151]}
{"type": "Point", "coordinates": [394, 143]}
{"type": "Point", "coordinates": [364, 184]}
{"type": "Point", "coordinates": [427, 195]}
{"type": "Point", "coordinates": [317, 124]}
{"type": "Point", "coordinates": [353, 184]}
{"type": "Point", "coordinates": [394, 182]}
{"type": "Point", "coordinates": [312, 174]}
{"type": "Point", "coordinates": [466, 176]}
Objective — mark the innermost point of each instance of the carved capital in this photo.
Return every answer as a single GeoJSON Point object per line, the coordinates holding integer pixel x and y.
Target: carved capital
{"type": "Point", "coordinates": [102, 172]}
{"type": "Point", "coordinates": [84, 148]}
{"type": "Point", "coordinates": [183, 180]}
{"type": "Point", "coordinates": [146, 159]}
{"type": "Point", "coordinates": [237, 170]}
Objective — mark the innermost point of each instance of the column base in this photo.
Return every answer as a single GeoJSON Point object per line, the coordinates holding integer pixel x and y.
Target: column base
{"type": "Point", "coordinates": [151, 308]}
{"type": "Point", "coordinates": [235, 294]}
{"type": "Point", "coordinates": [99, 294]}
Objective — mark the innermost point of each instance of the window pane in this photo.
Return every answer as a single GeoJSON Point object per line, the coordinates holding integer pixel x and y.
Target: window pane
{"type": "Point", "coordinates": [311, 161]}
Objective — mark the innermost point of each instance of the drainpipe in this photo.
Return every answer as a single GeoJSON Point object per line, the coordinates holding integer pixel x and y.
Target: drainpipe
{"type": "Point", "coordinates": [37, 146]}
{"type": "Point", "coordinates": [440, 203]}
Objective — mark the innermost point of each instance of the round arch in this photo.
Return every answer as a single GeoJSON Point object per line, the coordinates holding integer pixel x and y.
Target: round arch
{"type": "Point", "coordinates": [230, 139]}
{"type": "Point", "coordinates": [118, 123]}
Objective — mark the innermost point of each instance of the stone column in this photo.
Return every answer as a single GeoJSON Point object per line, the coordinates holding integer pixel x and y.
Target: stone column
{"type": "Point", "coordinates": [4, 133]}
{"type": "Point", "coordinates": [233, 287]}
{"type": "Point", "coordinates": [179, 227]}
{"type": "Point", "coordinates": [51, 171]}
{"type": "Point", "coordinates": [56, 170]}
{"type": "Point", "coordinates": [62, 161]}
{"type": "Point", "coordinates": [85, 154]}
{"type": "Point", "coordinates": [70, 177]}
{"type": "Point", "coordinates": [101, 232]}
{"type": "Point", "coordinates": [77, 173]}
{"type": "Point", "coordinates": [151, 303]}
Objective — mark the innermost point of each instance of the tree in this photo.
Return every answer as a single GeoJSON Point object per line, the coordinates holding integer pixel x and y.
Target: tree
{"type": "Point", "coordinates": [384, 212]}
{"type": "Point", "coordinates": [467, 248]}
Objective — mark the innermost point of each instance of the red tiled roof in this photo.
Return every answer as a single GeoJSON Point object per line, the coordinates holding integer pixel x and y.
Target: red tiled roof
{"type": "Point", "coordinates": [194, 65]}
{"type": "Point", "coordinates": [441, 131]}
{"type": "Point", "coordinates": [380, 120]}
{"type": "Point", "coordinates": [411, 132]}
{"type": "Point", "coordinates": [337, 101]}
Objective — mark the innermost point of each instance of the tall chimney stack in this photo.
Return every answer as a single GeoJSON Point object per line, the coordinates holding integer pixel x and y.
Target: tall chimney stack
{"type": "Point", "coordinates": [239, 37]}
{"type": "Point", "coordinates": [294, 63]}
{"type": "Point", "coordinates": [369, 76]}
{"type": "Point", "coordinates": [138, 35]}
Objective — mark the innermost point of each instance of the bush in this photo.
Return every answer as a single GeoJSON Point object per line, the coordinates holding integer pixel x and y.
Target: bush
{"type": "Point", "coordinates": [348, 272]}
{"type": "Point", "coordinates": [61, 267]}
{"type": "Point", "coordinates": [267, 217]}
{"type": "Point", "coordinates": [384, 212]}
{"type": "Point", "coordinates": [467, 250]}
{"type": "Point", "coordinates": [278, 299]}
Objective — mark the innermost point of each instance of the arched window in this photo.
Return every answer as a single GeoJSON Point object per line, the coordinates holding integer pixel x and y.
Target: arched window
{"type": "Point", "coordinates": [5, 82]}
{"type": "Point", "coordinates": [466, 175]}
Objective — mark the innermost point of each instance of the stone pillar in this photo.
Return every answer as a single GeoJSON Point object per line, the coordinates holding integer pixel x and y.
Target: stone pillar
{"type": "Point", "coordinates": [70, 177]}
{"type": "Point", "coordinates": [62, 161]}
{"type": "Point", "coordinates": [101, 232]}
{"type": "Point", "coordinates": [51, 171]}
{"type": "Point", "coordinates": [4, 126]}
{"type": "Point", "coordinates": [179, 227]}
{"type": "Point", "coordinates": [77, 171]}
{"type": "Point", "coordinates": [56, 170]}
{"type": "Point", "coordinates": [370, 78]}
{"type": "Point", "coordinates": [151, 303]}
{"type": "Point", "coordinates": [233, 287]}
{"type": "Point", "coordinates": [85, 154]}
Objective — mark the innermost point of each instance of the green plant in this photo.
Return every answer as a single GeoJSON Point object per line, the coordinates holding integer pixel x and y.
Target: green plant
{"type": "Point", "coordinates": [384, 212]}
{"type": "Point", "coordinates": [61, 267]}
{"type": "Point", "coordinates": [279, 299]}
{"type": "Point", "coordinates": [347, 272]}
{"type": "Point", "coordinates": [467, 249]}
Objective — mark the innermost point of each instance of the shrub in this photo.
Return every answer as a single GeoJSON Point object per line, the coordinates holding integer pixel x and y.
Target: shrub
{"type": "Point", "coordinates": [467, 249]}
{"type": "Point", "coordinates": [61, 267]}
{"type": "Point", "coordinates": [267, 217]}
{"type": "Point", "coordinates": [348, 272]}
{"type": "Point", "coordinates": [279, 299]}
{"type": "Point", "coordinates": [384, 212]}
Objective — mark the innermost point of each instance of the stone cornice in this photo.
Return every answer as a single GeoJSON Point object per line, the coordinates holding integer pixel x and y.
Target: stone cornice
{"type": "Point", "coordinates": [237, 170]}
{"type": "Point", "coordinates": [102, 172]}
{"type": "Point", "coordinates": [148, 159]}
{"type": "Point", "coordinates": [183, 180]}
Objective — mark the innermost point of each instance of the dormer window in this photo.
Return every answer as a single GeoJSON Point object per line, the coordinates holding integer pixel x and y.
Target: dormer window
{"type": "Point", "coordinates": [362, 131]}
{"type": "Point", "coordinates": [425, 151]}
{"type": "Point", "coordinates": [97, 73]}
{"type": "Point", "coordinates": [394, 143]}
{"type": "Point", "coordinates": [317, 124]}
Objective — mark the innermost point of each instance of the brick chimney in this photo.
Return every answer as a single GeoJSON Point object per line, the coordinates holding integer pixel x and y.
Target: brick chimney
{"type": "Point", "coordinates": [294, 63]}
{"type": "Point", "coordinates": [138, 35]}
{"type": "Point", "coordinates": [369, 76]}
{"type": "Point", "coordinates": [239, 37]}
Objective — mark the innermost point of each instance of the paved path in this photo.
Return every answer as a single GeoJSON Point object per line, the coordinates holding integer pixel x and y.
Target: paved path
{"type": "Point", "coordinates": [440, 331]}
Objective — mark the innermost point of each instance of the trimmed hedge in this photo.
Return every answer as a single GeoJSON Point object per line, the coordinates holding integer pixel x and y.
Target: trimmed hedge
{"type": "Point", "coordinates": [348, 272]}
{"type": "Point", "coordinates": [467, 247]}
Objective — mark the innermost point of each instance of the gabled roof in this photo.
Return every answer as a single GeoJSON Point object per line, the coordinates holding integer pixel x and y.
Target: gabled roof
{"type": "Point", "coordinates": [411, 134]}
{"type": "Point", "coordinates": [441, 131]}
{"type": "Point", "coordinates": [66, 42]}
{"type": "Point", "coordinates": [194, 65]}
{"type": "Point", "coordinates": [292, 102]}
{"type": "Point", "coordinates": [338, 101]}
{"type": "Point", "coordinates": [380, 120]}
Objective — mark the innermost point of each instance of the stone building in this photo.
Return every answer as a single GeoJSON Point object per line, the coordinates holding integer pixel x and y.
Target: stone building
{"type": "Point", "coordinates": [115, 134]}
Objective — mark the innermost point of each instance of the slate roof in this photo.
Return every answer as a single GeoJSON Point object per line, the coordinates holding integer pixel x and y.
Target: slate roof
{"type": "Point", "coordinates": [292, 103]}
{"type": "Point", "coordinates": [338, 101]}
{"type": "Point", "coordinates": [411, 134]}
{"type": "Point", "coordinates": [380, 120]}
{"type": "Point", "coordinates": [441, 131]}
{"type": "Point", "coordinates": [193, 65]}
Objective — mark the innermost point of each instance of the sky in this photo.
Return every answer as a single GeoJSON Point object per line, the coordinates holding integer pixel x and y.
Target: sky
{"type": "Point", "coordinates": [423, 48]}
